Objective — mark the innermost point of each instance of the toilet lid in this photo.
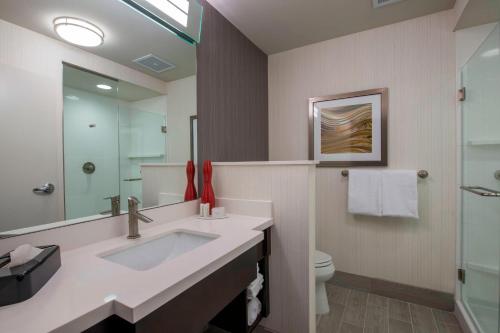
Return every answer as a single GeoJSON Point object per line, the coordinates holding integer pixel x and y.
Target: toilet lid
{"type": "Point", "coordinates": [322, 259]}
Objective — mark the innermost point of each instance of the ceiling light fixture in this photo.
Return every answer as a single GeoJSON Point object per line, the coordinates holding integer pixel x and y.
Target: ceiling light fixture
{"type": "Point", "coordinates": [79, 32]}
{"type": "Point", "coordinates": [176, 9]}
{"type": "Point", "coordinates": [104, 87]}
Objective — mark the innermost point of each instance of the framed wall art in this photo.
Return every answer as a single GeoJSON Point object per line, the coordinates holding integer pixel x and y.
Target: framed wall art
{"type": "Point", "coordinates": [349, 129]}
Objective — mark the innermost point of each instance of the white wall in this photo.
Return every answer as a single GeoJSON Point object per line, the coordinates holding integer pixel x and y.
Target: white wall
{"type": "Point", "coordinates": [181, 104]}
{"type": "Point", "coordinates": [155, 104]}
{"type": "Point", "coordinates": [36, 61]}
{"type": "Point", "coordinates": [415, 59]}
{"type": "Point", "coordinates": [163, 183]}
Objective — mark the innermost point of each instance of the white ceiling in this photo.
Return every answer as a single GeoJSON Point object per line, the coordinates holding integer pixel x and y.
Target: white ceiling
{"type": "Point", "coordinates": [279, 25]}
{"type": "Point", "coordinates": [128, 34]}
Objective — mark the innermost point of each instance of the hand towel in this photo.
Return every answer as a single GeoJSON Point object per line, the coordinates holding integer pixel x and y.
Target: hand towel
{"type": "Point", "coordinates": [253, 309]}
{"type": "Point", "coordinates": [255, 287]}
{"type": "Point", "coordinates": [399, 193]}
{"type": "Point", "coordinates": [365, 192]}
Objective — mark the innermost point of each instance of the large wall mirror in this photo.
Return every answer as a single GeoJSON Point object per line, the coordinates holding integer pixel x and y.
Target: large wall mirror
{"type": "Point", "coordinates": [86, 126]}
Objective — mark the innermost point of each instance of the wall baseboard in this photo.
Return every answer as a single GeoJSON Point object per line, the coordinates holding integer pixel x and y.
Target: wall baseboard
{"type": "Point", "coordinates": [417, 295]}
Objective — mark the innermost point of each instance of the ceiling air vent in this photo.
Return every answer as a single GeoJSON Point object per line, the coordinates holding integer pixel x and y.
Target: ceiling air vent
{"type": "Point", "coordinates": [381, 3]}
{"type": "Point", "coordinates": [154, 63]}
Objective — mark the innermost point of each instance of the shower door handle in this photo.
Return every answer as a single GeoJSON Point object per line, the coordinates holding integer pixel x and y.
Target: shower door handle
{"type": "Point", "coordinates": [482, 191]}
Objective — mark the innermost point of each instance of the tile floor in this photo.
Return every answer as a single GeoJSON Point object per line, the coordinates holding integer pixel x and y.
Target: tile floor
{"type": "Point", "coordinates": [353, 311]}
{"type": "Point", "coordinates": [212, 329]}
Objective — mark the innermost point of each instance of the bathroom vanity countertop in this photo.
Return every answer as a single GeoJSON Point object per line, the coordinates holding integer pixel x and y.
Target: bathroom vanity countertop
{"type": "Point", "coordinates": [87, 289]}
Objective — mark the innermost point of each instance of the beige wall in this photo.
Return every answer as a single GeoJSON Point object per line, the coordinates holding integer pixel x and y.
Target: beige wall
{"type": "Point", "coordinates": [181, 104]}
{"type": "Point", "coordinates": [415, 59]}
{"type": "Point", "coordinates": [291, 190]}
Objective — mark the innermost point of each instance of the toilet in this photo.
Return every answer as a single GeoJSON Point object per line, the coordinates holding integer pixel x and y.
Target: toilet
{"type": "Point", "coordinates": [324, 269]}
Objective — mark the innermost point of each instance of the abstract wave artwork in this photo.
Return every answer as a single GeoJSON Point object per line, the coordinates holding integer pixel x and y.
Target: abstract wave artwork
{"type": "Point", "coordinates": [346, 129]}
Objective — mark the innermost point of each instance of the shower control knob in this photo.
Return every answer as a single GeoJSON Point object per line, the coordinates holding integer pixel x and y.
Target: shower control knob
{"type": "Point", "coordinates": [497, 175]}
{"type": "Point", "coordinates": [88, 168]}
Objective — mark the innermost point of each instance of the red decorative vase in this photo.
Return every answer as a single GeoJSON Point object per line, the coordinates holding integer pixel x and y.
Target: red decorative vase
{"type": "Point", "coordinates": [190, 193]}
{"type": "Point", "coordinates": [207, 195]}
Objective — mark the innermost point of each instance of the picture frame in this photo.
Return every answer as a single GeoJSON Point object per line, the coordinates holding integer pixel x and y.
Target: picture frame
{"type": "Point", "coordinates": [349, 129]}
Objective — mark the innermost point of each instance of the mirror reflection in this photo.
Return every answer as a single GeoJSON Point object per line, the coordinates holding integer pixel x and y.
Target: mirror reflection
{"type": "Point", "coordinates": [87, 124]}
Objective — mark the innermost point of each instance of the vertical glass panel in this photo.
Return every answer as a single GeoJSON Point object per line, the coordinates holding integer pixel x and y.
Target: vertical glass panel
{"type": "Point", "coordinates": [142, 136]}
{"type": "Point", "coordinates": [90, 143]}
{"type": "Point", "coordinates": [480, 167]}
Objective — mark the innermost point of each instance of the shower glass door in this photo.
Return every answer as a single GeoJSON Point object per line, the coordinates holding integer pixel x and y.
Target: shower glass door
{"type": "Point", "coordinates": [481, 184]}
{"type": "Point", "coordinates": [111, 128]}
{"type": "Point", "coordinates": [91, 153]}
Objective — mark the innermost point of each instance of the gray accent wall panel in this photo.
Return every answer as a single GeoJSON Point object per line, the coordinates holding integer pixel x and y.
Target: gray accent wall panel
{"type": "Point", "coordinates": [232, 94]}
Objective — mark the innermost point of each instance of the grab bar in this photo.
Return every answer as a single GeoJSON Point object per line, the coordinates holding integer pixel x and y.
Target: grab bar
{"type": "Point", "coordinates": [482, 191]}
{"type": "Point", "coordinates": [420, 173]}
{"type": "Point", "coordinates": [132, 179]}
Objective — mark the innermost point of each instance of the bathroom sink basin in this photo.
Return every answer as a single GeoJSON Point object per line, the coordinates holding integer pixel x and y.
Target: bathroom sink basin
{"type": "Point", "coordinates": [152, 252]}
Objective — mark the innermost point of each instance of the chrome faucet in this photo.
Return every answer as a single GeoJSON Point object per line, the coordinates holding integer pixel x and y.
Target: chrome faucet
{"type": "Point", "coordinates": [115, 205]}
{"type": "Point", "coordinates": [133, 218]}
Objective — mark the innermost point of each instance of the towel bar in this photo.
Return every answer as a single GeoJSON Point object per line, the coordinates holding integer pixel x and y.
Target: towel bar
{"type": "Point", "coordinates": [420, 173]}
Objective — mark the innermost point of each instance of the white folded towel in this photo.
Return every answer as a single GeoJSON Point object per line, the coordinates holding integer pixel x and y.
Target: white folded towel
{"type": "Point", "coordinates": [22, 254]}
{"type": "Point", "coordinates": [365, 192]}
{"type": "Point", "coordinates": [253, 309]}
{"type": "Point", "coordinates": [254, 288]}
{"type": "Point", "coordinates": [399, 193]}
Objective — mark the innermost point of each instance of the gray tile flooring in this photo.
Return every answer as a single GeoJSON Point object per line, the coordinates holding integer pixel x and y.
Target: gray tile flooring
{"type": "Point", "coordinates": [353, 311]}
{"type": "Point", "coordinates": [212, 329]}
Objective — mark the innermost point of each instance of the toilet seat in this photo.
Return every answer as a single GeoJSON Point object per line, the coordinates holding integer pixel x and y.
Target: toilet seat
{"type": "Point", "coordinates": [322, 259]}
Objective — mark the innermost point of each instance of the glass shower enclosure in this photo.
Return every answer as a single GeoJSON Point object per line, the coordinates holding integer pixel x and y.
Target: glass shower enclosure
{"type": "Point", "coordinates": [110, 128]}
{"type": "Point", "coordinates": [480, 252]}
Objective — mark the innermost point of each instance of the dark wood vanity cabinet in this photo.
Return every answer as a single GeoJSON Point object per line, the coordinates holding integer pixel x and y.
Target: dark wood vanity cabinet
{"type": "Point", "coordinates": [233, 318]}
{"type": "Point", "coordinates": [218, 299]}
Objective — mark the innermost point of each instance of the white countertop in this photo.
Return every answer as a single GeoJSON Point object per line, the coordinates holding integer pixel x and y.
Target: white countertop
{"type": "Point", "coordinates": [87, 289]}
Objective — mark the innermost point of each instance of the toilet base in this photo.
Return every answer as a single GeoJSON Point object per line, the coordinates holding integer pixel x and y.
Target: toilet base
{"type": "Point", "coordinates": [322, 306]}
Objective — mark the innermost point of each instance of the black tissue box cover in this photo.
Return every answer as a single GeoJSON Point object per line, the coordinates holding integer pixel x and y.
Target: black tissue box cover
{"type": "Point", "coordinates": [19, 283]}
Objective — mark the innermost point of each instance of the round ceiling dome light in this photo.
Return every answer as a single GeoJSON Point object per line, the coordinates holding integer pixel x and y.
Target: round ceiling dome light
{"type": "Point", "coordinates": [78, 32]}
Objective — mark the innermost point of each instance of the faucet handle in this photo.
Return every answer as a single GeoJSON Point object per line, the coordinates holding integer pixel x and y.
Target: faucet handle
{"type": "Point", "coordinates": [113, 198]}
{"type": "Point", "coordinates": [133, 200]}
